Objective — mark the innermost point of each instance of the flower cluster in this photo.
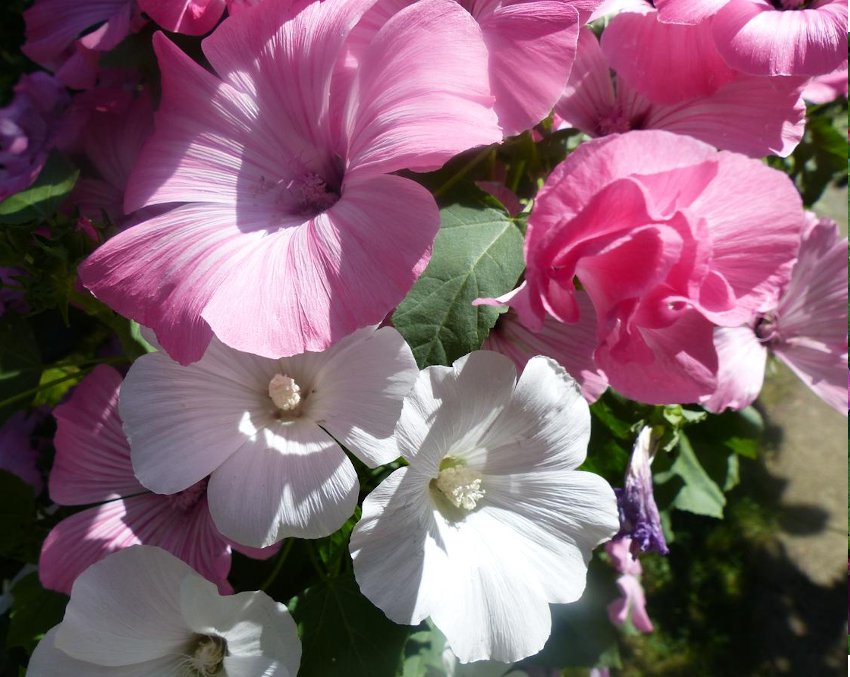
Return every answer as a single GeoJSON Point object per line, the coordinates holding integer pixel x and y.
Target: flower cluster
{"type": "Point", "coordinates": [265, 200]}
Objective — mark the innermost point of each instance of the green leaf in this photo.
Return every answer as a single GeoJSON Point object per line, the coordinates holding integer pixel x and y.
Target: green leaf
{"type": "Point", "coordinates": [63, 378]}
{"type": "Point", "coordinates": [333, 549]}
{"type": "Point", "coordinates": [20, 362]}
{"type": "Point", "coordinates": [17, 513]}
{"type": "Point", "coordinates": [343, 634]}
{"type": "Point", "coordinates": [700, 493]}
{"type": "Point", "coordinates": [34, 611]}
{"type": "Point", "coordinates": [42, 199]}
{"type": "Point", "coordinates": [477, 253]}
{"type": "Point", "coordinates": [136, 334]}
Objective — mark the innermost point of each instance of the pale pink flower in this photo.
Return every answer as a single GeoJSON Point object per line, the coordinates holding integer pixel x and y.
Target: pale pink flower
{"type": "Point", "coordinates": [668, 237]}
{"type": "Point", "coordinates": [18, 455]}
{"type": "Point", "coordinates": [778, 37]}
{"type": "Point", "coordinates": [268, 432]}
{"type": "Point", "coordinates": [29, 129]}
{"type": "Point", "coordinates": [190, 17]}
{"type": "Point", "coordinates": [745, 113]}
{"type": "Point", "coordinates": [571, 345]}
{"type": "Point", "coordinates": [827, 88]}
{"type": "Point", "coordinates": [67, 36]}
{"type": "Point", "coordinates": [294, 233]}
{"type": "Point", "coordinates": [632, 601]}
{"type": "Point", "coordinates": [141, 612]}
{"type": "Point", "coordinates": [92, 465]}
{"type": "Point", "coordinates": [805, 326]}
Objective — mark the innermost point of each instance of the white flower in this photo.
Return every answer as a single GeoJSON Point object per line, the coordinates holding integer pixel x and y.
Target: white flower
{"type": "Point", "coordinates": [490, 522]}
{"type": "Point", "coordinates": [268, 432]}
{"type": "Point", "coordinates": [142, 612]}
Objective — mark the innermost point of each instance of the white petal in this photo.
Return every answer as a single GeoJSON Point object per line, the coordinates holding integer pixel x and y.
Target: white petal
{"type": "Point", "coordinates": [254, 666]}
{"type": "Point", "coordinates": [290, 479]}
{"type": "Point", "coordinates": [546, 424]}
{"type": "Point", "coordinates": [252, 623]}
{"type": "Point", "coordinates": [48, 661]}
{"type": "Point", "coordinates": [475, 391]}
{"type": "Point", "coordinates": [359, 391]}
{"type": "Point", "coordinates": [184, 422]}
{"type": "Point", "coordinates": [124, 609]}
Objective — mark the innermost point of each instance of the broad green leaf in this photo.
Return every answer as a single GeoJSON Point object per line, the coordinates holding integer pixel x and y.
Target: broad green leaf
{"type": "Point", "coordinates": [17, 514]}
{"type": "Point", "coordinates": [343, 634]}
{"type": "Point", "coordinates": [136, 334]}
{"type": "Point", "coordinates": [20, 362]}
{"type": "Point", "coordinates": [34, 611]}
{"type": "Point", "coordinates": [477, 253]}
{"type": "Point", "coordinates": [62, 378]}
{"type": "Point", "coordinates": [42, 199]}
{"type": "Point", "coordinates": [700, 493]}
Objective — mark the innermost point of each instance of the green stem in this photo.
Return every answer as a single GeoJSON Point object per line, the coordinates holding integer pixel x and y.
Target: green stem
{"type": "Point", "coordinates": [281, 558]}
{"type": "Point", "coordinates": [42, 386]}
{"type": "Point", "coordinates": [317, 565]}
{"type": "Point", "coordinates": [463, 171]}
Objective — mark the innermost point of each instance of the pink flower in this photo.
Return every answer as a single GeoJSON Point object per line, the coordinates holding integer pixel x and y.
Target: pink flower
{"type": "Point", "coordinates": [748, 114]}
{"type": "Point", "coordinates": [54, 27]}
{"type": "Point", "coordinates": [17, 453]}
{"type": "Point", "coordinates": [804, 326]}
{"type": "Point", "coordinates": [190, 17]}
{"type": "Point", "coordinates": [632, 601]}
{"type": "Point", "coordinates": [571, 345]}
{"type": "Point", "coordinates": [268, 432]}
{"type": "Point", "coordinates": [93, 465]}
{"type": "Point", "coordinates": [781, 37]}
{"type": "Point", "coordinates": [827, 88]}
{"type": "Point", "coordinates": [668, 237]}
{"type": "Point", "coordinates": [294, 233]}
{"type": "Point", "coordinates": [29, 128]}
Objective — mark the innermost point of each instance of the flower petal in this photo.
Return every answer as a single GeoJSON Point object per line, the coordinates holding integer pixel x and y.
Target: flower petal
{"type": "Point", "coordinates": [299, 480]}
{"type": "Point", "coordinates": [92, 462]}
{"type": "Point", "coordinates": [741, 372]}
{"type": "Point", "coordinates": [190, 17]}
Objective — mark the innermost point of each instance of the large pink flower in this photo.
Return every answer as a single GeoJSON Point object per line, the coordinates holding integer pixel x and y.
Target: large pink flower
{"type": "Point", "coordinates": [93, 465]}
{"type": "Point", "coordinates": [668, 237]}
{"type": "Point", "coordinates": [770, 37]}
{"type": "Point", "coordinates": [294, 233]}
{"type": "Point", "coordinates": [748, 114]}
{"type": "Point", "coordinates": [804, 326]}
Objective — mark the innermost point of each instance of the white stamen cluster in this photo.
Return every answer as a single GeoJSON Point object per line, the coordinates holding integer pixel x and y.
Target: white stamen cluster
{"type": "Point", "coordinates": [285, 392]}
{"type": "Point", "coordinates": [208, 657]}
{"type": "Point", "coordinates": [461, 485]}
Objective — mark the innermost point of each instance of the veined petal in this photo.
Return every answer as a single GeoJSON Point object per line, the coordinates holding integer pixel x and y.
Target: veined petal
{"type": "Point", "coordinates": [741, 358]}
{"type": "Point", "coordinates": [360, 390]}
{"type": "Point", "coordinates": [252, 623]}
{"type": "Point", "coordinates": [92, 460]}
{"type": "Point", "coordinates": [421, 92]}
{"type": "Point", "coordinates": [133, 610]}
{"type": "Point", "coordinates": [300, 482]}
{"type": "Point", "coordinates": [190, 17]}
{"type": "Point", "coordinates": [821, 368]}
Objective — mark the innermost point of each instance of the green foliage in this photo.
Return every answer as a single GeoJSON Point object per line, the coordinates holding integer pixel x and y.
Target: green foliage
{"type": "Point", "coordinates": [39, 202]}
{"type": "Point", "coordinates": [34, 611]}
{"type": "Point", "coordinates": [477, 253]}
{"type": "Point", "coordinates": [20, 363]}
{"type": "Point", "coordinates": [17, 515]}
{"type": "Point", "coordinates": [343, 634]}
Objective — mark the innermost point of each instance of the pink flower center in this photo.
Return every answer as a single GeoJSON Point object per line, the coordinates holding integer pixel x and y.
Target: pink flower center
{"type": "Point", "coordinates": [188, 498]}
{"type": "Point", "coordinates": [766, 329]}
{"type": "Point", "coordinates": [790, 4]}
{"type": "Point", "coordinates": [310, 195]}
{"type": "Point", "coordinates": [615, 122]}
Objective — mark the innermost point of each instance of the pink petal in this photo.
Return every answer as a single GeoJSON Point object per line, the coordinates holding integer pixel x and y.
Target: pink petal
{"type": "Point", "coordinates": [742, 360]}
{"type": "Point", "coordinates": [300, 482]}
{"type": "Point", "coordinates": [92, 462]}
{"type": "Point", "coordinates": [821, 368]}
{"type": "Point", "coordinates": [755, 37]}
{"type": "Point", "coordinates": [827, 88]}
{"type": "Point", "coordinates": [190, 17]}
{"type": "Point", "coordinates": [409, 111]}
{"type": "Point", "coordinates": [687, 11]}
{"type": "Point", "coordinates": [308, 287]}
{"type": "Point", "coordinates": [532, 45]}
{"type": "Point", "coordinates": [360, 389]}
{"type": "Point", "coordinates": [632, 601]}
{"type": "Point", "coordinates": [639, 48]}
{"type": "Point", "coordinates": [571, 345]}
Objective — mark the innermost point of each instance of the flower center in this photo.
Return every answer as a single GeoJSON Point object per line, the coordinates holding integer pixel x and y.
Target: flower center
{"type": "Point", "coordinates": [460, 484]}
{"type": "Point", "coordinates": [187, 499]}
{"type": "Point", "coordinates": [311, 194]}
{"type": "Point", "coordinates": [285, 392]}
{"type": "Point", "coordinates": [766, 329]}
{"type": "Point", "coordinates": [208, 657]}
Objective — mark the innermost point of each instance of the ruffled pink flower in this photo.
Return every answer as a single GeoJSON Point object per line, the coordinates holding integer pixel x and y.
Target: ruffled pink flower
{"type": "Point", "coordinates": [804, 326]}
{"type": "Point", "coordinates": [190, 17]}
{"type": "Point", "coordinates": [18, 455]}
{"type": "Point", "coordinates": [268, 432]}
{"type": "Point", "coordinates": [293, 233]}
{"type": "Point", "coordinates": [777, 37]}
{"type": "Point", "coordinates": [668, 237]}
{"type": "Point", "coordinates": [112, 140]}
{"type": "Point", "coordinates": [632, 601]}
{"type": "Point", "coordinates": [92, 465]}
{"type": "Point", "coordinates": [571, 345]}
{"type": "Point", "coordinates": [29, 129]}
{"type": "Point", "coordinates": [748, 114]}
{"type": "Point", "coordinates": [54, 27]}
